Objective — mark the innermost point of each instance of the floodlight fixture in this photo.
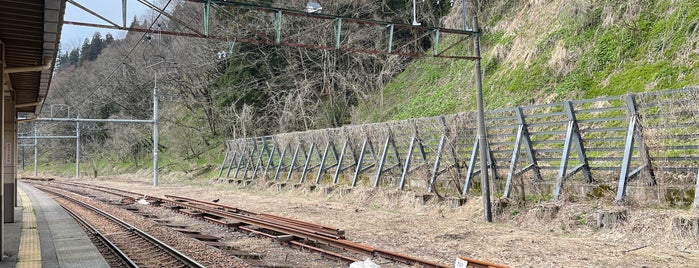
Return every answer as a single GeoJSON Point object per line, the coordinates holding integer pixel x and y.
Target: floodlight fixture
{"type": "Point", "coordinates": [415, 23]}
{"type": "Point", "coordinates": [313, 7]}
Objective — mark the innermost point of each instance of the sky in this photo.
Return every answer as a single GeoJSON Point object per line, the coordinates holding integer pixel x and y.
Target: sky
{"type": "Point", "coordinates": [72, 36]}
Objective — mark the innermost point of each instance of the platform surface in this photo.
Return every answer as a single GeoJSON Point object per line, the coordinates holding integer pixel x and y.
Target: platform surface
{"type": "Point", "coordinates": [46, 236]}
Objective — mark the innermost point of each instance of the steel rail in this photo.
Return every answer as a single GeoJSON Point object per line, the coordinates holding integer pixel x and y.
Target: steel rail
{"type": "Point", "coordinates": [326, 230]}
{"type": "Point", "coordinates": [104, 239]}
{"type": "Point", "coordinates": [324, 235]}
{"type": "Point", "coordinates": [186, 260]}
{"type": "Point", "coordinates": [300, 232]}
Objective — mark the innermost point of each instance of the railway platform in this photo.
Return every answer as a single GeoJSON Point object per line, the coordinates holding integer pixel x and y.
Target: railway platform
{"type": "Point", "coordinates": [44, 235]}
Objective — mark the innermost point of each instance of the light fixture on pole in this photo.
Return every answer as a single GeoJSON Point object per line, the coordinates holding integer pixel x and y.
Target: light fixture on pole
{"type": "Point", "coordinates": [415, 23]}
{"type": "Point", "coordinates": [313, 7]}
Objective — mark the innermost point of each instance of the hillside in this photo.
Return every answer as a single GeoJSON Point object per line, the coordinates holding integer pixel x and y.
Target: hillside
{"type": "Point", "coordinates": [544, 51]}
{"type": "Point", "coordinates": [533, 52]}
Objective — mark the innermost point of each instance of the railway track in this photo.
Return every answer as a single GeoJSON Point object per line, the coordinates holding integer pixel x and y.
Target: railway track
{"type": "Point", "coordinates": [135, 247]}
{"type": "Point", "coordinates": [328, 241]}
{"type": "Point", "coordinates": [114, 256]}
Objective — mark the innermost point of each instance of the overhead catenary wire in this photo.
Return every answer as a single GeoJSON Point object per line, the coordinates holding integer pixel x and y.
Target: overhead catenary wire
{"type": "Point", "coordinates": [103, 82]}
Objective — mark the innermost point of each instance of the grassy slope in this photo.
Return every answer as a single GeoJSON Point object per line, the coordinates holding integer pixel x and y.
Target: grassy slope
{"type": "Point", "coordinates": [553, 51]}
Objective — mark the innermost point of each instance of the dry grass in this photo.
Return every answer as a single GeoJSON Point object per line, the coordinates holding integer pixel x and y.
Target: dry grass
{"type": "Point", "coordinates": [394, 220]}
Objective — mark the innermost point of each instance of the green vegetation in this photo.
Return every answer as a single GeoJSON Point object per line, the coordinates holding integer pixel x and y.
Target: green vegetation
{"type": "Point", "coordinates": [568, 50]}
{"type": "Point", "coordinates": [587, 50]}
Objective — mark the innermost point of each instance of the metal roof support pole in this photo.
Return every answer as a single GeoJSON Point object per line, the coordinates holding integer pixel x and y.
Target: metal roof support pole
{"type": "Point", "coordinates": [359, 170]}
{"type": "Point", "coordinates": [382, 160]}
{"type": "Point", "coordinates": [281, 162]}
{"type": "Point", "coordinates": [292, 166]}
{"type": "Point", "coordinates": [308, 162]}
{"type": "Point", "coordinates": [435, 168]}
{"type": "Point", "coordinates": [336, 178]}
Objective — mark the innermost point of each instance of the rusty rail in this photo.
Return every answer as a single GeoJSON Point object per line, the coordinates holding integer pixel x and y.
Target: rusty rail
{"type": "Point", "coordinates": [302, 232]}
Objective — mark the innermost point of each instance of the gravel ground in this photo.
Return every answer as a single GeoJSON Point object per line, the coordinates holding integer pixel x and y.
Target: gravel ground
{"type": "Point", "coordinates": [395, 221]}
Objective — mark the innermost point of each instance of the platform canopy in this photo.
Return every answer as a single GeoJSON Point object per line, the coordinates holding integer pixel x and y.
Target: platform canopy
{"type": "Point", "coordinates": [30, 31]}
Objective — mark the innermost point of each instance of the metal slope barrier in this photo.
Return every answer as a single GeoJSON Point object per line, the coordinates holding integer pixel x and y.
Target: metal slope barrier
{"type": "Point", "coordinates": [641, 139]}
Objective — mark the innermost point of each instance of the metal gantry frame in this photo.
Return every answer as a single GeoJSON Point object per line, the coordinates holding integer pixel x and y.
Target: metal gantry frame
{"type": "Point", "coordinates": [336, 24]}
{"type": "Point", "coordinates": [538, 154]}
{"type": "Point", "coordinates": [78, 120]}
{"type": "Point", "coordinates": [77, 136]}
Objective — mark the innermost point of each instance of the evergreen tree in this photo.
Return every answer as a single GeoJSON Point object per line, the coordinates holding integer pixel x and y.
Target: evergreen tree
{"type": "Point", "coordinates": [74, 57]}
{"type": "Point", "coordinates": [84, 51]}
{"type": "Point", "coordinates": [96, 46]}
{"type": "Point", "coordinates": [63, 61]}
{"type": "Point", "coordinates": [108, 39]}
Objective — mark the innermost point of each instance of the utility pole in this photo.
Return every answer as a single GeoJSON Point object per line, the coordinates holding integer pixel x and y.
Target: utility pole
{"type": "Point", "coordinates": [77, 146]}
{"type": "Point", "coordinates": [482, 134]}
{"type": "Point", "coordinates": [35, 151]}
{"type": "Point", "coordinates": [155, 129]}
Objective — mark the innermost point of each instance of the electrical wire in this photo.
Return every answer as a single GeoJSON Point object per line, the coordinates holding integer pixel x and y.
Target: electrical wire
{"type": "Point", "coordinates": [123, 61]}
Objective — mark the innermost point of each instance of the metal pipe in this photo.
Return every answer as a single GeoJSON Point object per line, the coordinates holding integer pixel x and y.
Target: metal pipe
{"type": "Point", "coordinates": [126, 121]}
{"type": "Point", "coordinates": [47, 137]}
{"type": "Point", "coordinates": [31, 104]}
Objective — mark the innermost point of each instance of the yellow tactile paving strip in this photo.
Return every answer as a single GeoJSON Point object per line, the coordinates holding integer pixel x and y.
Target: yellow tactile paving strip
{"type": "Point", "coordinates": [29, 245]}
